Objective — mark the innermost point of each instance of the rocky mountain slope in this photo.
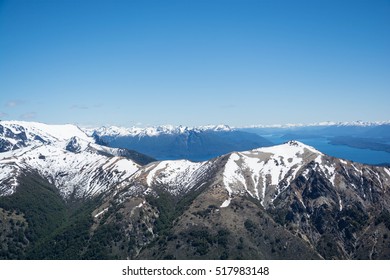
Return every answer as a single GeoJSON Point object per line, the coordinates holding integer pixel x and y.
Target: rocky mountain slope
{"type": "Point", "coordinates": [273, 201]}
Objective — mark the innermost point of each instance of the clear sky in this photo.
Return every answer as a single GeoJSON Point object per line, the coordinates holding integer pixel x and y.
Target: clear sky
{"type": "Point", "coordinates": [194, 62]}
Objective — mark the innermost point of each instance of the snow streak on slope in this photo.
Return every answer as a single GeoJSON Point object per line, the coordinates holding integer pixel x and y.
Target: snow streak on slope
{"type": "Point", "coordinates": [175, 176]}
{"type": "Point", "coordinates": [9, 172]}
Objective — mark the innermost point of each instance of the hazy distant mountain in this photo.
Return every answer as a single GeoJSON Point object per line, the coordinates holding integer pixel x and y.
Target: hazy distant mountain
{"type": "Point", "coordinates": [169, 142]}
{"type": "Point", "coordinates": [323, 124]}
{"type": "Point", "coordinates": [69, 198]}
{"type": "Point", "coordinates": [326, 129]}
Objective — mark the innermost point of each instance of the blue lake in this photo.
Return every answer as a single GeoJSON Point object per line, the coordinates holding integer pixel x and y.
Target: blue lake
{"type": "Point", "coordinates": [340, 151]}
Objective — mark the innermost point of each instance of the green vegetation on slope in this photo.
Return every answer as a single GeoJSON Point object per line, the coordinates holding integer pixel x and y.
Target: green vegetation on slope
{"type": "Point", "coordinates": [52, 229]}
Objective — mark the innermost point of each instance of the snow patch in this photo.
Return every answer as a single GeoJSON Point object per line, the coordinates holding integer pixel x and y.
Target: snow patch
{"type": "Point", "coordinates": [387, 171]}
{"type": "Point", "coordinates": [101, 212]}
{"type": "Point", "coordinates": [226, 203]}
{"type": "Point", "coordinates": [264, 189]}
{"type": "Point", "coordinates": [318, 159]}
{"type": "Point", "coordinates": [343, 161]}
{"type": "Point", "coordinates": [340, 205]}
{"type": "Point", "coordinates": [306, 173]}
{"type": "Point", "coordinates": [141, 204]}
{"type": "Point", "coordinates": [379, 179]}
{"type": "Point", "coordinates": [354, 167]}
{"type": "Point", "coordinates": [231, 173]}
{"type": "Point", "coordinates": [331, 171]}
{"type": "Point", "coordinates": [124, 165]}
{"type": "Point", "coordinates": [150, 177]}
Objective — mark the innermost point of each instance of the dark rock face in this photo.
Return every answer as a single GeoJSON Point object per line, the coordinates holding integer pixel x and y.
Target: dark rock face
{"type": "Point", "coordinates": [5, 145]}
{"type": "Point", "coordinates": [73, 145]}
{"type": "Point", "coordinates": [337, 219]}
{"type": "Point", "coordinates": [10, 140]}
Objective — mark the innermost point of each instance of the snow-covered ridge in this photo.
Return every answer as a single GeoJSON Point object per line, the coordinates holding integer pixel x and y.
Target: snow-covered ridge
{"type": "Point", "coordinates": [327, 123]}
{"type": "Point", "coordinates": [62, 154]}
{"type": "Point", "coordinates": [34, 131]}
{"type": "Point", "coordinates": [153, 131]}
{"type": "Point", "coordinates": [80, 171]}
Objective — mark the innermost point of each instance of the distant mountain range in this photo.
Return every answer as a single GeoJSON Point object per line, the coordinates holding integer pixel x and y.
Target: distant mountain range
{"type": "Point", "coordinates": [64, 196]}
{"type": "Point", "coordinates": [169, 142]}
{"type": "Point", "coordinates": [328, 123]}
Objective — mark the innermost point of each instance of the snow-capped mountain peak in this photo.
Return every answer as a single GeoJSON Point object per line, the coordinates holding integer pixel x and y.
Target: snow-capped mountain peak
{"type": "Point", "coordinates": [270, 169]}
{"type": "Point", "coordinates": [58, 132]}
{"type": "Point", "coordinates": [17, 134]}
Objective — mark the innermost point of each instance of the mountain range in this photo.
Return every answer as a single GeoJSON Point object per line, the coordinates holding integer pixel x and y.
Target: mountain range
{"type": "Point", "coordinates": [170, 142]}
{"type": "Point", "coordinates": [63, 195]}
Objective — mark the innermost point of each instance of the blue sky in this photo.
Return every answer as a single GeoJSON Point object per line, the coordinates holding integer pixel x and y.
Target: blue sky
{"type": "Point", "coordinates": [237, 62]}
